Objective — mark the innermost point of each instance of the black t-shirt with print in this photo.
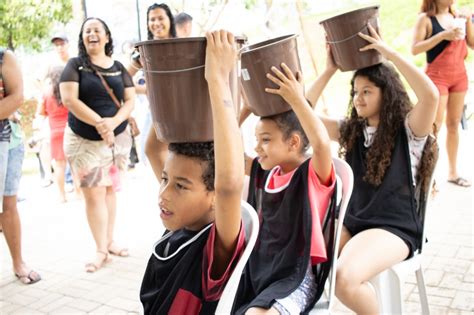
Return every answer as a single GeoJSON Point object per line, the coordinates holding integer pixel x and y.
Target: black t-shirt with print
{"type": "Point", "coordinates": [93, 93]}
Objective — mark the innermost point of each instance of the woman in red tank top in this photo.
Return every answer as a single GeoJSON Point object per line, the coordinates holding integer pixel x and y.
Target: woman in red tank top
{"type": "Point", "coordinates": [444, 36]}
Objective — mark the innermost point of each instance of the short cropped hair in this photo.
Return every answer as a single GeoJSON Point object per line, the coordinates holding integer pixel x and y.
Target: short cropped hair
{"type": "Point", "coordinates": [201, 151]}
{"type": "Point", "coordinates": [182, 18]}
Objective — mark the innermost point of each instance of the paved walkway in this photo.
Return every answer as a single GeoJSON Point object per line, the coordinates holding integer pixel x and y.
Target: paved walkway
{"type": "Point", "coordinates": [57, 243]}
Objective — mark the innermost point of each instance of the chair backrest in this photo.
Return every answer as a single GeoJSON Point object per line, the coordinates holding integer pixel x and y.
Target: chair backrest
{"type": "Point", "coordinates": [251, 225]}
{"type": "Point", "coordinates": [423, 192]}
{"type": "Point", "coordinates": [344, 172]}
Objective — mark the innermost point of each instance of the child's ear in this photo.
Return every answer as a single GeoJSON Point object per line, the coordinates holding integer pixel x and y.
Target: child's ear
{"type": "Point", "coordinates": [294, 142]}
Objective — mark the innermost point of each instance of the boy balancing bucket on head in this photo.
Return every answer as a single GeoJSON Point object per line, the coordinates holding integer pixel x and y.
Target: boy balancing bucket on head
{"type": "Point", "coordinates": [177, 90]}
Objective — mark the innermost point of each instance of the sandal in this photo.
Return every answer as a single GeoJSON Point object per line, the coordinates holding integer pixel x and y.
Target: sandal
{"type": "Point", "coordinates": [460, 182]}
{"type": "Point", "coordinates": [29, 278]}
{"type": "Point", "coordinates": [117, 251]}
{"type": "Point", "coordinates": [92, 267]}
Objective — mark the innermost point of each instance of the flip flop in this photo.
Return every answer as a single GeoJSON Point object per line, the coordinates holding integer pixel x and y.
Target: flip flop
{"type": "Point", "coordinates": [459, 181]}
{"type": "Point", "coordinates": [28, 279]}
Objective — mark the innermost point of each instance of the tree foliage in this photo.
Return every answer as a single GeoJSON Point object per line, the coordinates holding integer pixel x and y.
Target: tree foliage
{"type": "Point", "coordinates": [27, 22]}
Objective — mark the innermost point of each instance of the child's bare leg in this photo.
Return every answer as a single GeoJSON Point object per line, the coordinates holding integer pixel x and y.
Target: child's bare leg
{"type": "Point", "coordinates": [364, 256]}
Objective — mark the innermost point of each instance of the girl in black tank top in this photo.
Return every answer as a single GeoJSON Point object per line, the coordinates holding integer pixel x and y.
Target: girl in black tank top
{"type": "Point", "coordinates": [381, 227]}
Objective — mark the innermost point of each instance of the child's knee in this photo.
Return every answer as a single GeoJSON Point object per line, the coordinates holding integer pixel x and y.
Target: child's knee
{"type": "Point", "coordinates": [345, 280]}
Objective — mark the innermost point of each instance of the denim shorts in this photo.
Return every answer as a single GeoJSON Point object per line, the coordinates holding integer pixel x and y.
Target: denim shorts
{"type": "Point", "coordinates": [3, 169]}
{"type": "Point", "coordinates": [14, 168]}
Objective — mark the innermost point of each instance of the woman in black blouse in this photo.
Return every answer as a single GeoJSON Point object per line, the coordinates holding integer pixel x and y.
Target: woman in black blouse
{"type": "Point", "coordinates": [96, 140]}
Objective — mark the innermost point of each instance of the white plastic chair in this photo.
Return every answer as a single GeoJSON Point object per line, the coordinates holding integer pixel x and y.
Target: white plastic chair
{"type": "Point", "coordinates": [389, 283]}
{"type": "Point", "coordinates": [344, 173]}
{"type": "Point", "coordinates": [251, 225]}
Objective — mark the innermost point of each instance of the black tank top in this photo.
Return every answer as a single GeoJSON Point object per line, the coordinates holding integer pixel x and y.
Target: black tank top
{"type": "Point", "coordinates": [278, 263]}
{"type": "Point", "coordinates": [438, 49]}
{"type": "Point", "coordinates": [392, 204]}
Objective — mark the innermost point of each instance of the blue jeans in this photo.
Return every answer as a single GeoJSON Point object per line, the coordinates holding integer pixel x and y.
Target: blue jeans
{"type": "Point", "coordinates": [3, 169]}
{"type": "Point", "coordinates": [14, 168]}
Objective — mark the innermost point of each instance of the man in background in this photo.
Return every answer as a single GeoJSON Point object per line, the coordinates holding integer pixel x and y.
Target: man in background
{"type": "Point", "coordinates": [184, 24]}
{"type": "Point", "coordinates": [61, 46]}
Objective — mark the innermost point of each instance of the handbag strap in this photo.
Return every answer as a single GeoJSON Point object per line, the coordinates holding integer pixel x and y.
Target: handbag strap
{"type": "Point", "coordinates": [108, 88]}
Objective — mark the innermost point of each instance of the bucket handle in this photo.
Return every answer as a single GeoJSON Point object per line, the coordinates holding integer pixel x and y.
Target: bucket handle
{"type": "Point", "coordinates": [173, 71]}
{"type": "Point", "coordinates": [347, 38]}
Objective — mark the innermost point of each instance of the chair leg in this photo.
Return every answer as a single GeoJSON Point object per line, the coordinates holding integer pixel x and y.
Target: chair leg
{"type": "Point", "coordinates": [388, 287]}
{"type": "Point", "coordinates": [420, 280]}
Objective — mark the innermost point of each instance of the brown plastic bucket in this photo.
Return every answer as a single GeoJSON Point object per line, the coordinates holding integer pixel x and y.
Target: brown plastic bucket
{"type": "Point", "coordinates": [342, 35]}
{"type": "Point", "coordinates": [256, 61]}
{"type": "Point", "coordinates": [177, 89]}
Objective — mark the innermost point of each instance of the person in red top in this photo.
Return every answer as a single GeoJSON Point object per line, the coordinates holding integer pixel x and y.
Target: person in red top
{"type": "Point", "coordinates": [57, 113]}
{"type": "Point", "coordinates": [445, 43]}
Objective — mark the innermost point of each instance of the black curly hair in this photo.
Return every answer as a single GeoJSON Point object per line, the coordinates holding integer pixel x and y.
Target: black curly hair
{"type": "Point", "coordinates": [395, 105]}
{"type": "Point", "coordinates": [109, 47]}
{"type": "Point", "coordinates": [289, 123]}
{"type": "Point", "coordinates": [201, 151]}
{"type": "Point", "coordinates": [167, 9]}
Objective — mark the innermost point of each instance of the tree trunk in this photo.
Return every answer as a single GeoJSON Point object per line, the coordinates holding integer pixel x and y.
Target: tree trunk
{"type": "Point", "coordinates": [10, 41]}
{"type": "Point", "coordinates": [84, 9]}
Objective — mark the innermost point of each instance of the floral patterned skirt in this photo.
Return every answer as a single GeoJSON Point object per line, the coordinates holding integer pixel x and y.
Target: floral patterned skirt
{"type": "Point", "coordinates": [91, 161]}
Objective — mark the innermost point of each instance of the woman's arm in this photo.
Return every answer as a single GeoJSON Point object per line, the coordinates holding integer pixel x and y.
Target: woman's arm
{"type": "Point", "coordinates": [221, 57]}
{"type": "Point", "coordinates": [108, 124]}
{"type": "Point", "coordinates": [466, 12]}
{"type": "Point", "coordinates": [423, 29]}
{"type": "Point", "coordinates": [13, 83]}
{"type": "Point", "coordinates": [133, 67]}
{"type": "Point", "coordinates": [70, 98]}
{"type": "Point", "coordinates": [292, 90]}
{"type": "Point", "coordinates": [423, 114]}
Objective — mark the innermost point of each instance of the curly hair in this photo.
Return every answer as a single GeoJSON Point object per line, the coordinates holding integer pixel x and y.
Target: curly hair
{"type": "Point", "coordinates": [204, 153]}
{"type": "Point", "coordinates": [82, 52]}
{"type": "Point", "coordinates": [395, 105]}
{"type": "Point", "coordinates": [288, 123]}
{"type": "Point", "coordinates": [54, 74]}
{"type": "Point", "coordinates": [163, 6]}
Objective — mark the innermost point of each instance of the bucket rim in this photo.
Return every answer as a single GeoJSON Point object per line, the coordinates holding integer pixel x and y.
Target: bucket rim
{"type": "Point", "coordinates": [238, 39]}
{"type": "Point", "coordinates": [376, 6]}
{"type": "Point", "coordinates": [248, 49]}
{"type": "Point", "coordinates": [170, 40]}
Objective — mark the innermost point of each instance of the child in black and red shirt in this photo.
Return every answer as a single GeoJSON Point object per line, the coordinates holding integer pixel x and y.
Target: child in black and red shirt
{"type": "Point", "coordinates": [291, 194]}
{"type": "Point", "coordinates": [200, 205]}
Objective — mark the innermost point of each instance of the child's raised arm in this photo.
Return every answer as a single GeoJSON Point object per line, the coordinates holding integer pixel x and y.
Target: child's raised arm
{"type": "Point", "coordinates": [317, 88]}
{"type": "Point", "coordinates": [292, 90]}
{"type": "Point", "coordinates": [423, 114]}
{"type": "Point", "coordinates": [221, 57]}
